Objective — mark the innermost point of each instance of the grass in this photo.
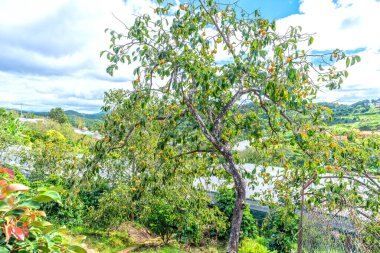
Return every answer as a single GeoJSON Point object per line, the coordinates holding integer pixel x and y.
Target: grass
{"type": "Point", "coordinates": [176, 248]}
{"type": "Point", "coordinates": [165, 249]}
{"type": "Point", "coordinates": [101, 241]}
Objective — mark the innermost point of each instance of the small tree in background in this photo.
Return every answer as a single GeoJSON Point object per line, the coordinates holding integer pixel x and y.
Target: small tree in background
{"type": "Point", "coordinates": [58, 115]}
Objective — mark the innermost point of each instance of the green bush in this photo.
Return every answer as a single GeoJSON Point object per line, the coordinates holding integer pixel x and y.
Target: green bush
{"type": "Point", "coordinates": [163, 218]}
{"type": "Point", "coordinates": [11, 131]}
{"type": "Point", "coordinates": [23, 227]}
{"type": "Point", "coordinates": [184, 213]}
{"type": "Point", "coordinates": [71, 211]}
{"type": "Point", "coordinates": [249, 245]}
{"type": "Point", "coordinates": [280, 229]}
{"type": "Point", "coordinates": [225, 201]}
{"type": "Point", "coordinates": [112, 208]}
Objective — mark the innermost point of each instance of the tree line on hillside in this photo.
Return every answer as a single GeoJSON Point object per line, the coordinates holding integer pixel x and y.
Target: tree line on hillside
{"type": "Point", "coordinates": [359, 107]}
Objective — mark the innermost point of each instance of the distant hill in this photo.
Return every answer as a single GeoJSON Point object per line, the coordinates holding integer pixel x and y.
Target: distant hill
{"type": "Point", "coordinates": [91, 121]}
{"type": "Point", "coordinates": [72, 113]}
{"type": "Point", "coordinates": [363, 115]}
{"type": "Point", "coordinates": [84, 115]}
{"type": "Point", "coordinates": [364, 106]}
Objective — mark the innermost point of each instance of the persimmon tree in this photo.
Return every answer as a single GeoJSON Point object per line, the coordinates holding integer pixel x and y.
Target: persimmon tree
{"type": "Point", "coordinates": [160, 181]}
{"type": "Point", "coordinates": [198, 62]}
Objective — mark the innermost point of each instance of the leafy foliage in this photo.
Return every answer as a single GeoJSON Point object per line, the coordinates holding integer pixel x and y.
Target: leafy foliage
{"type": "Point", "coordinates": [181, 210]}
{"type": "Point", "coordinates": [281, 228]}
{"type": "Point", "coordinates": [179, 79]}
{"type": "Point", "coordinates": [11, 132]}
{"type": "Point", "coordinates": [112, 209]}
{"type": "Point", "coordinates": [249, 245]}
{"type": "Point", "coordinates": [58, 114]}
{"type": "Point", "coordinates": [22, 224]}
{"type": "Point", "coordinates": [225, 201]}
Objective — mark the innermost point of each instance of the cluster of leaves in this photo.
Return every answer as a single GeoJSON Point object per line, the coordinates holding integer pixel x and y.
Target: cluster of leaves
{"type": "Point", "coordinates": [71, 210]}
{"type": "Point", "coordinates": [11, 132]}
{"type": "Point", "coordinates": [225, 201]}
{"type": "Point", "coordinates": [51, 148]}
{"type": "Point", "coordinates": [249, 245]}
{"type": "Point", "coordinates": [42, 151]}
{"type": "Point", "coordinates": [183, 210]}
{"type": "Point", "coordinates": [112, 209]}
{"type": "Point", "coordinates": [22, 223]}
{"type": "Point", "coordinates": [280, 228]}
{"type": "Point", "coordinates": [174, 209]}
{"type": "Point", "coordinates": [58, 114]}
{"type": "Point", "coordinates": [338, 175]}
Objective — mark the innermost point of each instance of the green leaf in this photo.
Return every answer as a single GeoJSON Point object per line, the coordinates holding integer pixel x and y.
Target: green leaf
{"type": "Point", "coordinates": [347, 62]}
{"type": "Point", "coordinates": [3, 250]}
{"type": "Point", "coordinates": [110, 70]}
{"type": "Point", "coordinates": [75, 248]}
{"type": "Point", "coordinates": [257, 13]}
{"type": "Point", "coordinates": [311, 40]}
{"type": "Point", "coordinates": [31, 204]}
{"type": "Point", "coordinates": [48, 196]}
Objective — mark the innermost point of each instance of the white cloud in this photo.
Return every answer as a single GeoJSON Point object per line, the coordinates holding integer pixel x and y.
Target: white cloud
{"type": "Point", "coordinates": [347, 25]}
{"type": "Point", "coordinates": [50, 49]}
{"type": "Point", "coordinates": [41, 93]}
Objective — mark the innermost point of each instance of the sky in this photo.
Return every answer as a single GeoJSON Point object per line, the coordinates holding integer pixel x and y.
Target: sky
{"type": "Point", "coordinates": [49, 50]}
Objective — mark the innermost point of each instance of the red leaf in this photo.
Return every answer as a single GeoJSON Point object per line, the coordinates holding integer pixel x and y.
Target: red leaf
{"type": "Point", "coordinates": [16, 187]}
{"type": "Point", "coordinates": [9, 172]}
{"type": "Point", "coordinates": [18, 233]}
{"type": "Point", "coordinates": [3, 182]}
{"type": "Point", "coordinates": [25, 229]}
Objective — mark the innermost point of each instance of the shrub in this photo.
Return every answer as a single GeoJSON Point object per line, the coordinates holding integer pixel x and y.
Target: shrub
{"type": "Point", "coordinates": [184, 211]}
{"type": "Point", "coordinates": [71, 210]}
{"type": "Point", "coordinates": [22, 225]}
{"type": "Point", "coordinates": [225, 201]}
{"type": "Point", "coordinates": [112, 208]}
{"type": "Point", "coordinates": [280, 228]}
{"type": "Point", "coordinates": [249, 245]}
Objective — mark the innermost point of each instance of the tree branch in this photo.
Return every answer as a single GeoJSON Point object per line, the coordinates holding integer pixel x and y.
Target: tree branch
{"type": "Point", "coordinates": [225, 39]}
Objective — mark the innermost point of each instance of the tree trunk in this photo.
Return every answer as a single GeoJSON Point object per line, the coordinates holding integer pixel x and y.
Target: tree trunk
{"type": "Point", "coordinates": [233, 242]}
{"type": "Point", "coordinates": [300, 226]}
